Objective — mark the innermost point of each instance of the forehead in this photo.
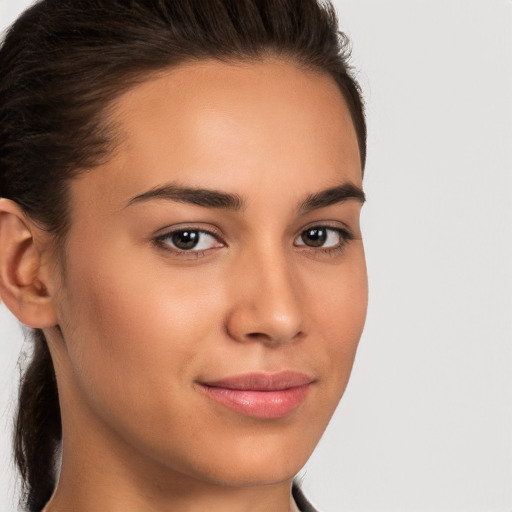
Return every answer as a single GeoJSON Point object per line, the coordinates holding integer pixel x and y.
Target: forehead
{"type": "Point", "coordinates": [231, 126]}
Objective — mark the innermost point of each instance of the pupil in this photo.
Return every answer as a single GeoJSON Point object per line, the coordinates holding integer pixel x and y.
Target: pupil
{"type": "Point", "coordinates": [185, 239]}
{"type": "Point", "coordinates": [314, 237]}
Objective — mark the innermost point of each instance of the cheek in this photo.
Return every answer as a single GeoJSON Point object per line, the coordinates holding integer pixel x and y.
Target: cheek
{"type": "Point", "coordinates": [338, 304]}
{"type": "Point", "coordinates": [135, 336]}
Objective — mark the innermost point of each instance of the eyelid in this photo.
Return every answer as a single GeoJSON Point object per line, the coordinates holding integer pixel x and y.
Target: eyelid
{"type": "Point", "coordinates": [161, 235]}
{"type": "Point", "coordinates": [191, 226]}
{"type": "Point", "coordinates": [335, 225]}
{"type": "Point", "coordinates": [345, 234]}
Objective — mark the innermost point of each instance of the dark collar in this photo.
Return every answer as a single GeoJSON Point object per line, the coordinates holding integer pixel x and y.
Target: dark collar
{"type": "Point", "coordinates": [300, 499]}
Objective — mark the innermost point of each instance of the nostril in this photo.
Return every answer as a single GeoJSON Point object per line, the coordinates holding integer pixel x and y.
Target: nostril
{"type": "Point", "coordinates": [276, 338]}
{"type": "Point", "coordinates": [257, 336]}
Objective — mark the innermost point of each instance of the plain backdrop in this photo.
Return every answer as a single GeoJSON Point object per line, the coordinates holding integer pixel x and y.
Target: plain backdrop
{"type": "Point", "coordinates": [426, 422]}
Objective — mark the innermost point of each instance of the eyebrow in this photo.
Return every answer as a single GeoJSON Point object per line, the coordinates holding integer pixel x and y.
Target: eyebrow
{"type": "Point", "coordinates": [332, 196]}
{"type": "Point", "coordinates": [227, 201]}
{"type": "Point", "coordinates": [198, 196]}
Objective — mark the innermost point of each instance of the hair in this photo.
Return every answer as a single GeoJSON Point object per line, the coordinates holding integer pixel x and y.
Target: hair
{"type": "Point", "coordinates": [62, 64]}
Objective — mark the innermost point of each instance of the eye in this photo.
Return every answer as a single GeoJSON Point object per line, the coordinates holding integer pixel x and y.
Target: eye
{"type": "Point", "coordinates": [189, 240]}
{"type": "Point", "coordinates": [323, 237]}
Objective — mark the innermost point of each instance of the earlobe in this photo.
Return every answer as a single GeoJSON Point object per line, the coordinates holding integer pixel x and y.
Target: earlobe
{"type": "Point", "coordinates": [22, 287]}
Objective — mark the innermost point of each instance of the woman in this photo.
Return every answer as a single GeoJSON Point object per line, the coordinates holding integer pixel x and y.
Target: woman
{"type": "Point", "coordinates": [181, 185]}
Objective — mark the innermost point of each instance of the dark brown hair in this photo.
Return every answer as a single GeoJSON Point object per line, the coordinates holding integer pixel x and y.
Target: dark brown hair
{"type": "Point", "coordinates": [62, 64]}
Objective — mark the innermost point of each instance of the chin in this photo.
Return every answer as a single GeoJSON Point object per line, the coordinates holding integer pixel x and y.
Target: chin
{"type": "Point", "coordinates": [261, 459]}
{"type": "Point", "coordinates": [248, 474]}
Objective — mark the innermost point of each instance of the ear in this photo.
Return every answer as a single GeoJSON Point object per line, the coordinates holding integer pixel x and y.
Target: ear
{"type": "Point", "coordinates": [22, 274]}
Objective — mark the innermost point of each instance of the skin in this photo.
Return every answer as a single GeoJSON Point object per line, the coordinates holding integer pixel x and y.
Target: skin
{"type": "Point", "coordinates": [140, 324]}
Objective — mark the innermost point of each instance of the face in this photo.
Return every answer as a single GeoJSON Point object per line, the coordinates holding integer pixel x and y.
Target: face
{"type": "Point", "coordinates": [215, 284]}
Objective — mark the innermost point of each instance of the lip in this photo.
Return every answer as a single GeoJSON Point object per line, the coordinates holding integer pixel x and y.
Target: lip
{"type": "Point", "coordinates": [260, 395]}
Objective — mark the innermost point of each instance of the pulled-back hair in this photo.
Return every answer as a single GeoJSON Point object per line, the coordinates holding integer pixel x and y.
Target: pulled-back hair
{"type": "Point", "coordinates": [62, 64]}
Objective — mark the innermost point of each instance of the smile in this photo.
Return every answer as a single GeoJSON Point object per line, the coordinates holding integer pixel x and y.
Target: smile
{"type": "Point", "coordinates": [261, 395]}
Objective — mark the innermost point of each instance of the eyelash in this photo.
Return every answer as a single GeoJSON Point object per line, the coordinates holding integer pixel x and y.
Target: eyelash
{"type": "Point", "coordinates": [345, 236]}
{"type": "Point", "coordinates": [162, 241]}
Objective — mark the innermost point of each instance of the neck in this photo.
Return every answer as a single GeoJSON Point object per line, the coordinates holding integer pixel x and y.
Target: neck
{"type": "Point", "coordinates": [114, 500]}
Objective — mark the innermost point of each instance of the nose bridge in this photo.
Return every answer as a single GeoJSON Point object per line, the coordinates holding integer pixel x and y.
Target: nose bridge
{"type": "Point", "coordinates": [268, 305]}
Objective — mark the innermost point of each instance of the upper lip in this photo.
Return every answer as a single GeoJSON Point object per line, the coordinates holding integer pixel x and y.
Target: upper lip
{"type": "Point", "coordinates": [260, 381]}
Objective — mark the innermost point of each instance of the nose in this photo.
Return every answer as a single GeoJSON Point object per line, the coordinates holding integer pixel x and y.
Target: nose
{"type": "Point", "coordinates": [267, 305]}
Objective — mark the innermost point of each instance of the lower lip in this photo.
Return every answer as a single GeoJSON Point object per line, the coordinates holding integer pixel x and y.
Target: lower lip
{"type": "Point", "coordinates": [259, 404]}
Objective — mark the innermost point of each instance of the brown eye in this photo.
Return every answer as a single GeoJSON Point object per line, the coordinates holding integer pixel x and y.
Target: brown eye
{"type": "Point", "coordinates": [314, 237]}
{"type": "Point", "coordinates": [192, 241]}
{"type": "Point", "coordinates": [185, 240]}
{"type": "Point", "coordinates": [323, 237]}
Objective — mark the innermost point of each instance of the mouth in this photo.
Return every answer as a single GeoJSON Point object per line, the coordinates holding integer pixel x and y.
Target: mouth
{"type": "Point", "coordinates": [260, 395]}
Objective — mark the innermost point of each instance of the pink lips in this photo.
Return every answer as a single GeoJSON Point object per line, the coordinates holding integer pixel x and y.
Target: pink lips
{"type": "Point", "coordinates": [261, 395]}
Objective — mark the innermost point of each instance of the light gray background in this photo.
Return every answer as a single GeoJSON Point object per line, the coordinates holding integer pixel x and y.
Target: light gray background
{"type": "Point", "coordinates": [426, 423]}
